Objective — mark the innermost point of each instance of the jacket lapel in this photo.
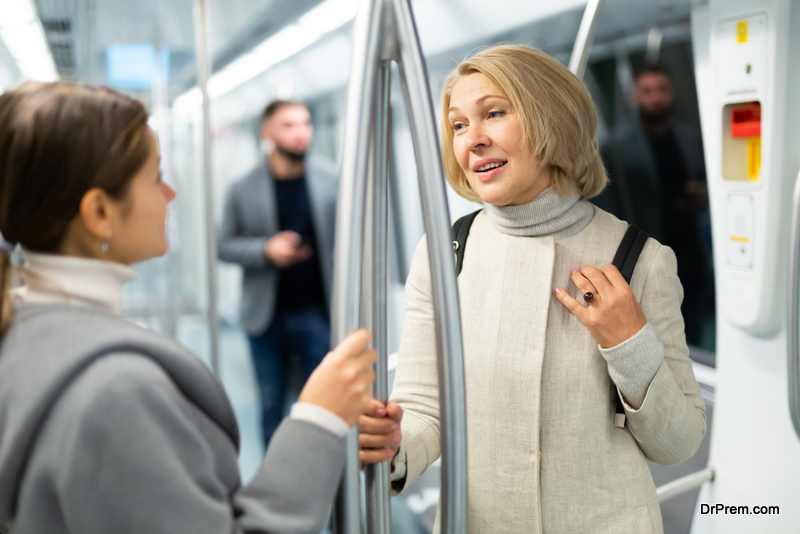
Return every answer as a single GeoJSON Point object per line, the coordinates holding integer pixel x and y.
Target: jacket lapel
{"type": "Point", "coordinates": [263, 203]}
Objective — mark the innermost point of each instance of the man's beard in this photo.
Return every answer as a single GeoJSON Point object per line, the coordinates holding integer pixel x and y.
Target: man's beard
{"type": "Point", "coordinates": [297, 157]}
{"type": "Point", "coordinates": [655, 119]}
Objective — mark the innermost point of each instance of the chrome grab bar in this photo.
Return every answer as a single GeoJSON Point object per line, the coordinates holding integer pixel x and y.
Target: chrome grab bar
{"type": "Point", "coordinates": [583, 42]}
{"type": "Point", "coordinates": [384, 32]}
{"type": "Point", "coordinates": [202, 31]}
{"type": "Point", "coordinates": [684, 484]}
{"type": "Point", "coordinates": [375, 289]}
{"type": "Point", "coordinates": [447, 318]}
{"type": "Point", "coordinates": [346, 517]}
{"type": "Point", "coordinates": [793, 316]}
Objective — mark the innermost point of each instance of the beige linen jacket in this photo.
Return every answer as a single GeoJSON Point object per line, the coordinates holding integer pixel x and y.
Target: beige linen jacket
{"type": "Point", "coordinates": [544, 454]}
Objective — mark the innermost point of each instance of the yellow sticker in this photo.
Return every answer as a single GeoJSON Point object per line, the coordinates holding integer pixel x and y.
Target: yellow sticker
{"type": "Point", "coordinates": [741, 31]}
{"type": "Point", "coordinates": [754, 158]}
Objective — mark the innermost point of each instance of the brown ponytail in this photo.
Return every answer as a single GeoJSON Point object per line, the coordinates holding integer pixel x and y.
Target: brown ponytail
{"type": "Point", "coordinates": [57, 142]}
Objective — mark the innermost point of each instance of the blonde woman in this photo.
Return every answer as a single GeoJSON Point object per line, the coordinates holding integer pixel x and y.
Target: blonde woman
{"type": "Point", "coordinates": [543, 368]}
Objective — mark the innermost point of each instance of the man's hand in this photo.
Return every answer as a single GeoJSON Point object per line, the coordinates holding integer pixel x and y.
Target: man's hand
{"type": "Point", "coordinates": [285, 249]}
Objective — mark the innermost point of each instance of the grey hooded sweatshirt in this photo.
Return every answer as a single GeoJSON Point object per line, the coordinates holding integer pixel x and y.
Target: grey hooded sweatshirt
{"type": "Point", "coordinates": [109, 428]}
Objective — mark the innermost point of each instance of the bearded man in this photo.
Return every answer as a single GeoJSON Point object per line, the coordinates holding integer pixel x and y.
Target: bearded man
{"type": "Point", "coordinates": [278, 224]}
{"type": "Point", "coordinates": [658, 182]}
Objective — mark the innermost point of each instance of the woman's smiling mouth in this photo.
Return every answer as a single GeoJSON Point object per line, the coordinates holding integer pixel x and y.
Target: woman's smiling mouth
{"type": "Point", "coordinates": [486, 168]}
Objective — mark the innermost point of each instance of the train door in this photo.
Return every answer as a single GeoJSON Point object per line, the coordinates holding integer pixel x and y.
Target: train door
{"type": "Point", "coordinates": [747, 73]}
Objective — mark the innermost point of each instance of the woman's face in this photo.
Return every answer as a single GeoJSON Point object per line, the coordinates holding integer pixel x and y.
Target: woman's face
{"type": "Point", "coordinates": [138, 222]}
{"type": "Point", "coordinates": [488, 144]}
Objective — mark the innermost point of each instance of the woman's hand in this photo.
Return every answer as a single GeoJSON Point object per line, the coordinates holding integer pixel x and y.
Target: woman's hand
{"type": "Point", "coordinates": [342, 382]}
{"type": "Point", "coordinates": [379, 432]}
{"type": "Point", "coordinates": [614, 315]}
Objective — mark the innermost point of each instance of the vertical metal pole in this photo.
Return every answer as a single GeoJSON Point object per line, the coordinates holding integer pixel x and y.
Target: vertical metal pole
{"type": "Point", "coordinates": [169, 302]}
{"type": "Point", "coordinates": [349, 231]}
{"type": "Point", "coordinates": [654, 38]}
{"type": "Point", "coordinates": [452, 394]}
{"type": "Point", "coordinates": [793, 316]}
{"type": "Point", "coordinates": [375, 276]}
{"type": "Point", "coordinates": [201, 26]}
{"type": "Point", "coordinates": [583, 42]}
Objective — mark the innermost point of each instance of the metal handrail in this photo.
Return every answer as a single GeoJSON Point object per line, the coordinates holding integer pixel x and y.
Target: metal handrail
{"type": "Point", "coordinates": [349, 232]}
{"type": "Point", "coordinates": [447, 318]}
{"type": "Point", "coordinates": [684, 484]}
{"type": "Point", "coordinates": [375, 290]}
{"type": "Point", "coordinates": [793, 315]}
{"type": "Point", "coordinates": [201, 26]}
{"type": "Point", "coordinates": [583, 42]}
{"type": "Point", "coordinates": [385, 32]}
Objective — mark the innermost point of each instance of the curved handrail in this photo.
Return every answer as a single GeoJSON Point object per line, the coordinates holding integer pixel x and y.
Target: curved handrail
{"type": "Point", "coordinates": [452, 388]}
{"type": "Point", "coordinates": [385, 31]}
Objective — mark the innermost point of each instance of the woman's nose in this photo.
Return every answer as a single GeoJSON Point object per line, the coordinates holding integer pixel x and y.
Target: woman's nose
{"type": "Point", "coordinates": [169, 193]}
{"type": "Point", "coordinates": [477, 137]}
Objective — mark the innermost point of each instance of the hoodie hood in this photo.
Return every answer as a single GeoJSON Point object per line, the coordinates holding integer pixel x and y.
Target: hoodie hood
{"type": "Point", "coordinates": [48, 346]}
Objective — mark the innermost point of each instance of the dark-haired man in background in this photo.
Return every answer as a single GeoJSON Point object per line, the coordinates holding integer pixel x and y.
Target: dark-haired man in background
{"type": "Point", "coordinates": [658, 181]}
{"type": "Point", "coordinates": [278, 224]}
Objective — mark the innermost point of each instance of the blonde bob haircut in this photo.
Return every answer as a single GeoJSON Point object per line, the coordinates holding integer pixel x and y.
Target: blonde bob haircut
{"type": "Point", "coordinates": [555, 110]}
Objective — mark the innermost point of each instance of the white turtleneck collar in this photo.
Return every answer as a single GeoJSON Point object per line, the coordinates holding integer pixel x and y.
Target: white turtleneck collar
{"type": "Point", "coordinates": [57, 279]}
{"type": "Point", "coordinates": [550, 214]}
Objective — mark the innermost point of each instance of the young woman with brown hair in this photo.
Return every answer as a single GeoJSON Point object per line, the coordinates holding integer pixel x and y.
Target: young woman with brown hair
{"type": "Point", "coordinates": [104, 426]}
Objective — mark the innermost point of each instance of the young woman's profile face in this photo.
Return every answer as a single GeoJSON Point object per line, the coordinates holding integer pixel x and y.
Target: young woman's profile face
{"type": "Point", "coordinates": [488, 144]}
{"type": "Point", "coordinates": [139, 222]}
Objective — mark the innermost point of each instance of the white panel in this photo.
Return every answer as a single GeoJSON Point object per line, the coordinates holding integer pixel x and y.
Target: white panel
{"type": "Point", "coordinates": [741, 215]}
{"type": "Point", "coordinates": [742, 63]}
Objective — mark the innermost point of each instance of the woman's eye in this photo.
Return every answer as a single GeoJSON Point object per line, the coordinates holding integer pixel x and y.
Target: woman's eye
{"type": "Point", "coordinates": [495, 114]}
{"type": "Point", "coordinates": [457, 127]}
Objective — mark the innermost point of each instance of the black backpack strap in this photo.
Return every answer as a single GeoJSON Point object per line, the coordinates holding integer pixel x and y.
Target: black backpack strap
{"type": "Point", "coordinates": [628, 252]}
{"type": "Point", "coordinates": [625, 260]}
{"type": "Point", "coordinates": [460, 232]}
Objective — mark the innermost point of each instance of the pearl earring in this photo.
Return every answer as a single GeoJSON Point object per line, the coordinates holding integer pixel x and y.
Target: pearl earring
{"type": "Point", "coordinates": [104, 246]}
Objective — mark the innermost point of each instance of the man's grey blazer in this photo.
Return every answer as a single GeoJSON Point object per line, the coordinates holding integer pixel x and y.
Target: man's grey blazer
{"type": "Point", "coordinates": [251, 218]}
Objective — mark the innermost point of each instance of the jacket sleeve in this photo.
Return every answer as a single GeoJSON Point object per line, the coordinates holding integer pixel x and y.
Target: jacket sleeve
{"type": "Point", "coordinates": [671, 422]}
{"type": "Point", "coordinates": [136, 462]}
{"type": "Point", "coordinates": [415, 385]}
{"type": "Point", "coordinates": [232, 245]}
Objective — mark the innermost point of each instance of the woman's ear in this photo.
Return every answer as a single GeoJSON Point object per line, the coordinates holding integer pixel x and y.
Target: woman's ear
{"type": "Point", "coordinates": [95, 212]}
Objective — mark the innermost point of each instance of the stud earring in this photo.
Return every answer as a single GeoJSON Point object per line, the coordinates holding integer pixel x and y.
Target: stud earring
{"type": "Point", "coordinates": [104, 246]}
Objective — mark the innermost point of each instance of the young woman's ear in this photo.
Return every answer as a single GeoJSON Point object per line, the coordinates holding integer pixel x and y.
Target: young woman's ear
{"type": "Point", "coordinates": [95, 212]}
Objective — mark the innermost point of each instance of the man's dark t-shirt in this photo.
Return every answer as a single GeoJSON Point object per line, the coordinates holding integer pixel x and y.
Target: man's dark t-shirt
{"type": "Point", "coordinates": [679, 223]}
{"type": "Point", "coordinates": [300, 286]}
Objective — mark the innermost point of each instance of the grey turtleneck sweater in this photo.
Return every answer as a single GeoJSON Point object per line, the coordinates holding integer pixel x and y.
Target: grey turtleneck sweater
{"type": "Point", "coordinates": [550, 214]}
{"type": "Point", "coordinates": [633, 363]}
